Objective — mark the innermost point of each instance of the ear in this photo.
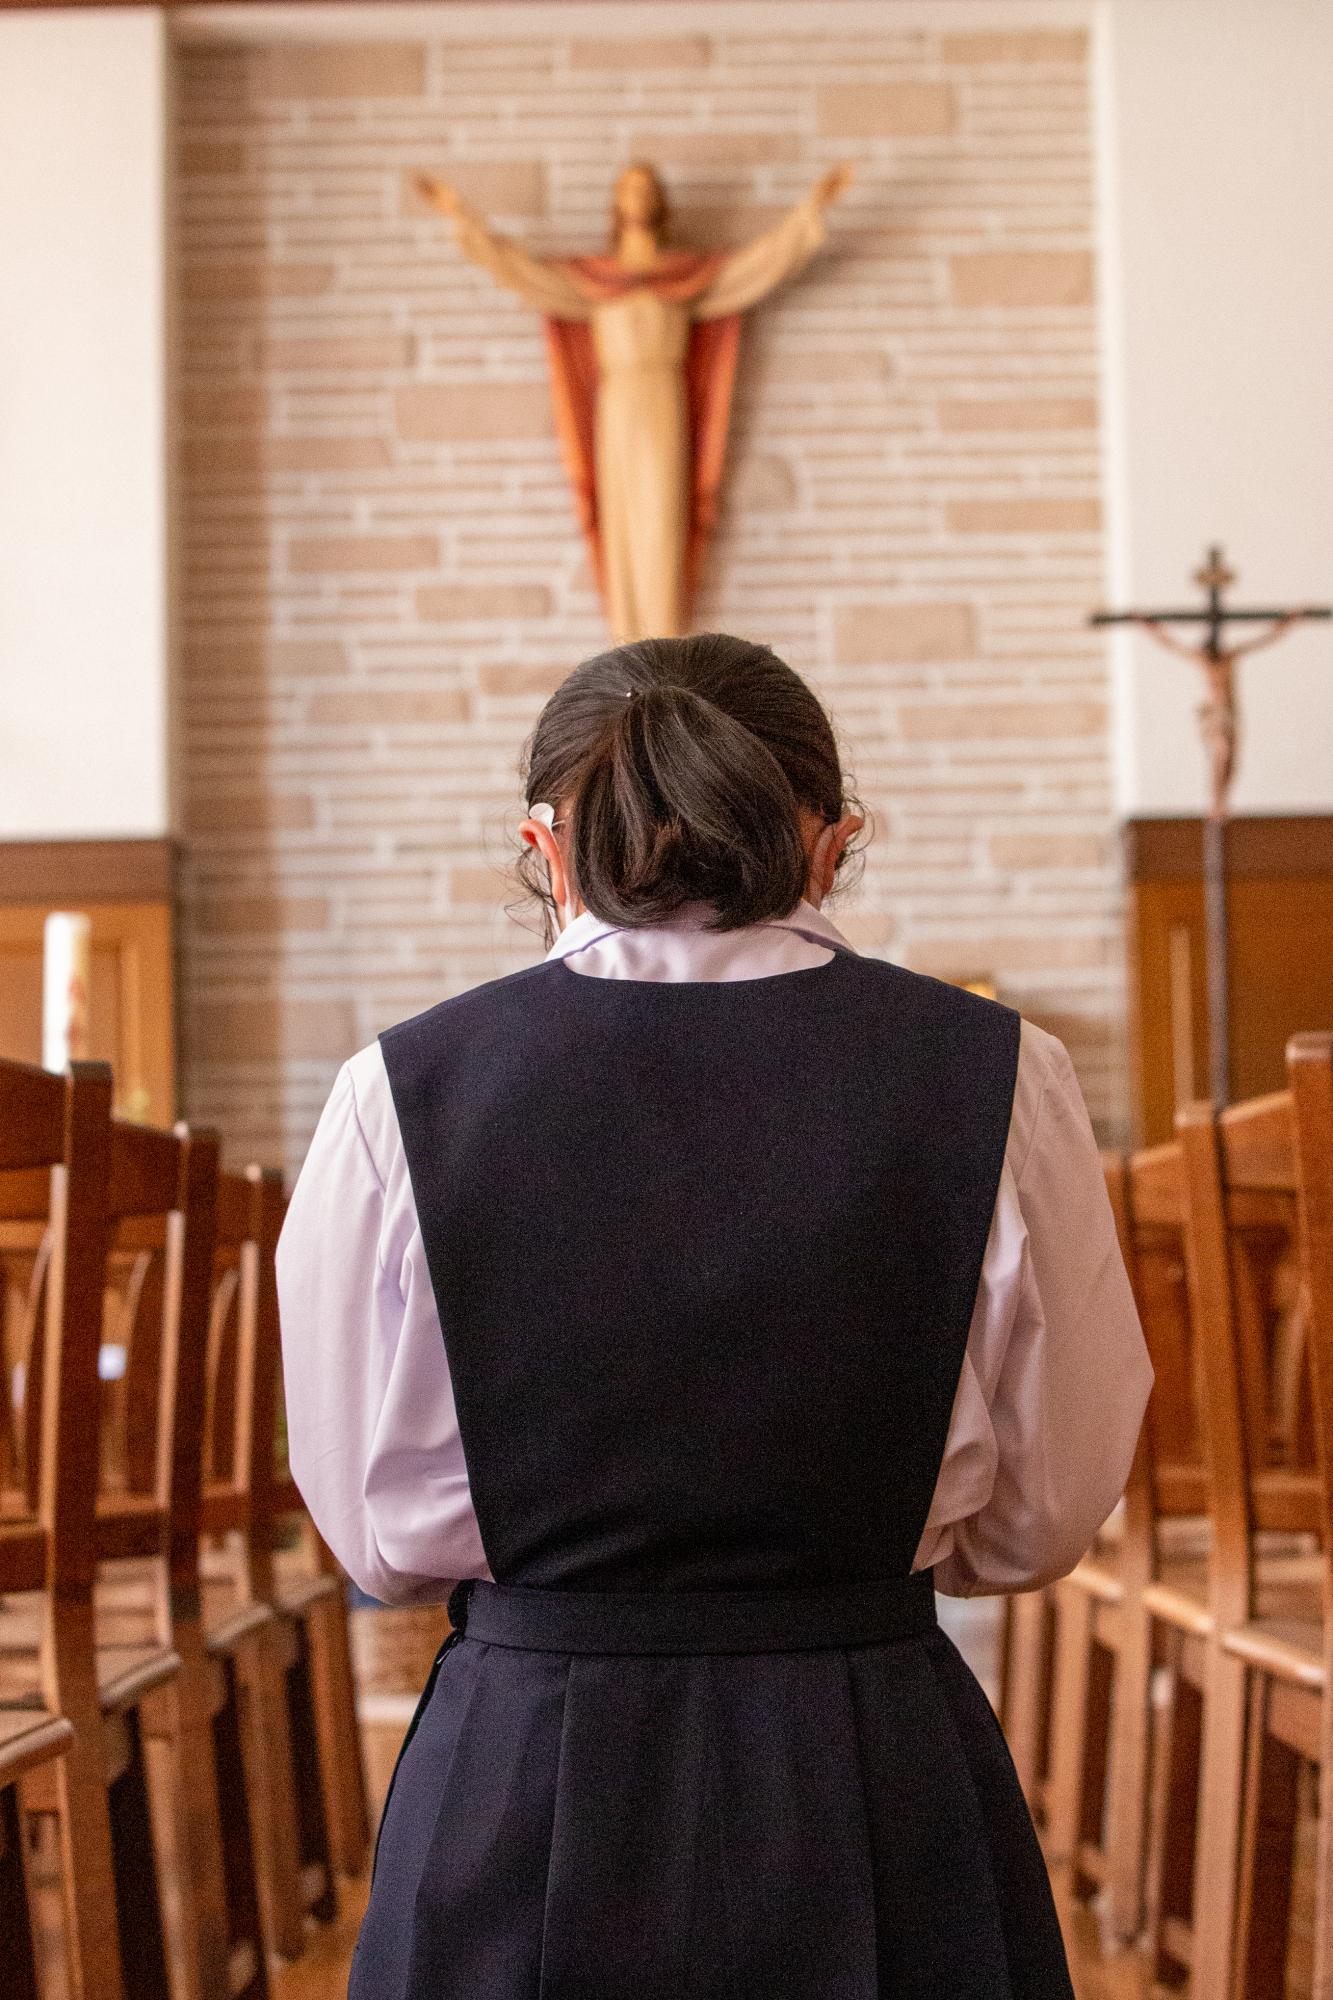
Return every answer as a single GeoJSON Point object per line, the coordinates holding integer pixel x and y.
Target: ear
{"type": "Point", "coordinates": [536, 834]}
{"type": "Point", "coordinates": [828, 852]}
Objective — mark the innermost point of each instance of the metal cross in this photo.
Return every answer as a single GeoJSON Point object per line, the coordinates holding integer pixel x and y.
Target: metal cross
{"type": "Point", "coordinates": [1216, 656]}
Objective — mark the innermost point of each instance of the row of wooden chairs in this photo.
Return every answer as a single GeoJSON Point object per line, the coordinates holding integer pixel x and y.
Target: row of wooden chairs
{"type": "Point", "coordinates": [1163, 1702]}
{"type": "Point", "coordinates": [180, 1767]}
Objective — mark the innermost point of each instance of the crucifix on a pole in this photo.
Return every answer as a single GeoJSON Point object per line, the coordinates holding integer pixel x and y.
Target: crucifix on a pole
{"type": "Point", "coordinates": [1216, 654]}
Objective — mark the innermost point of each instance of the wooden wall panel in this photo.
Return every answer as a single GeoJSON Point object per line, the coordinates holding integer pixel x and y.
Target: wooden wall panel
{"type": "Point", "coordinates": [125, 888]}
{"type": "Point", "coordinates": [1280, 959]}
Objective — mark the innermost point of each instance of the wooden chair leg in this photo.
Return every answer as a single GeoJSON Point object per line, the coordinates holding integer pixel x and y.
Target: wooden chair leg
{"type": "Point", "coordinates": [88, 1871]}
{"type": "Point", "coordinates": [1173, 1820]}
{"type": "Point", "coordinates": [1127, 1775]}
{"type": "Point", "coordinates": [176, 1723]}
{"type": "Point", "coordinates": [16, 1945]}
{"type": "Point", "coordinates": [137, 1881]}
{"type": "Point", "coordinates": [308, 1768]}
{"type": "Point", "coordinates": [271, 1768]}
{"type": "Point", "coordinates": [1069, 1707]}
{"type": "Point", "coordinates": [1093, 1767]}
{"type": "Point", "coordinates": [1024, 1650]}
{"type": "Point", "coordinates": [234, 1762]}
{"type": "Point", "coordinates": [339, 1736]}
{"type": "Point", "coordinates": [1221, 1780]}
{"type": "Point", "coordinates": [1268, 1842]}
{"type": "Point", "coordinates": [1321, 1984]}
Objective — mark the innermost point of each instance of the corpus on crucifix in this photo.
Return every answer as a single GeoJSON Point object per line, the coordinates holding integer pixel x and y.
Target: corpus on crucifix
{"type": "Point", "coordinates": [1215, 653]}
{"type": "Point", "coordinates": [642, 344]}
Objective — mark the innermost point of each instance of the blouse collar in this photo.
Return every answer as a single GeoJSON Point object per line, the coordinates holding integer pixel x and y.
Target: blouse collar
{"type": "Point", "coordinates": [587, 928]}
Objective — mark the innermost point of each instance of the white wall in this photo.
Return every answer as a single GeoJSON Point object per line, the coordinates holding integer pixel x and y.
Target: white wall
{"type": "Point", "coordinates": [1217, 178]}
{"type": "Point", "coordinates": [83, 598]}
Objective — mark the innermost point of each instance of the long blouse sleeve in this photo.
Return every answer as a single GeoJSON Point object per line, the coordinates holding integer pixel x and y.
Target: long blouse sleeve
{"type": "Point", "coordinates": [372, 1430]}
{"type": "Point", "coordinates": [1056, 1377]}
{"type": "Point", "coordinates": [758, 268]}
{"type": "Point", "coordinates": [544, 285]}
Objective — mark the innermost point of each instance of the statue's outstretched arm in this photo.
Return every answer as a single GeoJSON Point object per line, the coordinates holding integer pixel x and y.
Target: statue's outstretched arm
{"type": "Point", "coordinates": [758, 268]}
{"type": "Point", "coordinates": [543, 285]}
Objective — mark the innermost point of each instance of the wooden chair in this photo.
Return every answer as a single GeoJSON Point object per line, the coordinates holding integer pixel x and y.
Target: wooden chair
{"type": "Point", "coordinates": [310, 1586]}
{"type": "Point", "coordinates": [158, 1220]}
{"type": "Point", "coordinates": [1265, 1155]}
{"type": "Point", "coordinates": [149, 1582]}
{"type": "Point", "coordinates": [1264, 1505]}
{"type": "Point", "coordinates": [1097, 1816]}
{"type": "Point", "coordinates": [55, 1178]}
{"type": "Point", "coordinates": [27, 1742]}
{"type": "Point", "coordinates": [240, 1567]}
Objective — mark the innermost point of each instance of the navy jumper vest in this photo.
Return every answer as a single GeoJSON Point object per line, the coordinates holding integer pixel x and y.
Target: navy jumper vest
{"type": "Point", "coordinates": [705, 1256]}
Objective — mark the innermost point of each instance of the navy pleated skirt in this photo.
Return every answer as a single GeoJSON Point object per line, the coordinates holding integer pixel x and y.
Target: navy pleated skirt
{"type": "Point", "coordinates": [837, 1821]}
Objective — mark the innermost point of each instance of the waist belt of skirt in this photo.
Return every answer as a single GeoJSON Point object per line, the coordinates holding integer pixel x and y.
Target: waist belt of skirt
{"type": "Point", "coordinates": [678, 1622]}
{"type": "Point", "coordinates": [694, 1622]}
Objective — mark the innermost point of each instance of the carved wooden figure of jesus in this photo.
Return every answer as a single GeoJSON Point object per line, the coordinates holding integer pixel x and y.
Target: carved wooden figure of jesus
{"type": "Point", "coordinates": [642, 345]}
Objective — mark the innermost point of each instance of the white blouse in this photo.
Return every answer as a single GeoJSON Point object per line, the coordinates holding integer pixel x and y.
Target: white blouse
{"type": "Point", "coordinates": [1049, 1403]}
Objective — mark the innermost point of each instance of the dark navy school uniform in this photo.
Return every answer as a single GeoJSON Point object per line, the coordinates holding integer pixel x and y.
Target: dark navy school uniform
{"type": "Point", "coordinates": [702, 1735]}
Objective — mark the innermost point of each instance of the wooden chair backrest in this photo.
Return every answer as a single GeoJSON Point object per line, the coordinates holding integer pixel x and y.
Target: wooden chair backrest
{"type": "Point", "coordinates": [1310, 1068]}
{"type": "Point", "coordinates": [1242, 1244]}
{"type": "Point", "coordinates": [1154, 1206]}
{"type": "Point", "coordinates": [55, 1173]}
{"type": "Point", "coordinates": [162, 1199]}
{"type": "Point", "coordinates": [1138, 1552]}
{"type": "Point", "coordinates": [244, 1358]}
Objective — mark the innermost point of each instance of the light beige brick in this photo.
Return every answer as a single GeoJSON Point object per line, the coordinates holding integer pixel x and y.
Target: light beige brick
{"type": "Point", "coordinates": [763, 484]}
{"type": "Point", "coordinates": [337, 353]}
{"type": "Point", "coordinates": [1022, 278]}
{"type": "Point", "coordinates": [951, 722]}
{"type": "Point", "coordinates": [197, 157]}
{"type": "Point", "coordinates": [868, 930]}
{"type": "Point", "coordinates": [712, 148]}
{"type": "Point", "coordinates": [1048, 850]}
{"type": "Point", "coordinates": [495, 187]}
{"type": "Point", "coordinates": [875, 634]}
{"type": "Point", "coordinates": [267, 916]}
{"type": "Point", "coordinates": [886, 110]}
{"type": "Point", "coordinates": [984, 956]}
{"type": "Point", "coordinates": [299, 1028]}
{"type": "Point", "coordinates": [253, 455]}
{"type": "Point", "coordinates": [472, 412]}
{"type": "Point", "coordinates": [337, 69]}
{"type": "Point", "coordinates": [481, 603]}
{"type": "Point", "coordinates": [206, 406]}
{"type": "Point", "coordinates": [362, 552]}
{"type": "Point", "coordinates": [478, 885]}
{"type": "Point", "coordinates": [508, 681]}
{"type": "Point", "coordinates": [1034, 516]}
{"type": "Point", "coordinates": [388, 706]}
{"type": "Point", "coordinates": [1034, 45]}
{"type": "Point", "coordinates": [248, 811]}
{"type": "Point", "coordinates": [649, 55]}
{"type": "Point", "coordinates": [238, 658]}
{"type": "Point", "coordinates": [819, 365]}
{"type": "Point", "coordinates": [255, 280]}
{"type": "Point", "coordinates": [1019, 413]}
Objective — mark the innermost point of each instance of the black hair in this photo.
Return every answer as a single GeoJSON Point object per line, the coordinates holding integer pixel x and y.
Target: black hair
{"type": "Point", "coordinates": [681, 767]}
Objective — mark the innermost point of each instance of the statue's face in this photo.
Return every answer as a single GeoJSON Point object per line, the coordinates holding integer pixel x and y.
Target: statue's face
{"type": "Point", "coordinates": [638, 196]}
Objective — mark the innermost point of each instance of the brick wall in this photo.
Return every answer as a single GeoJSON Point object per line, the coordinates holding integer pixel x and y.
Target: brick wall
{"type": "Point", "coordinates": [380, 578]}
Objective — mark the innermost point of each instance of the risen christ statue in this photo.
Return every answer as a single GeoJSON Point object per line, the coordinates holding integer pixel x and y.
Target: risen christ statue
{"type": "Point", "coordinates": [642, 345]}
